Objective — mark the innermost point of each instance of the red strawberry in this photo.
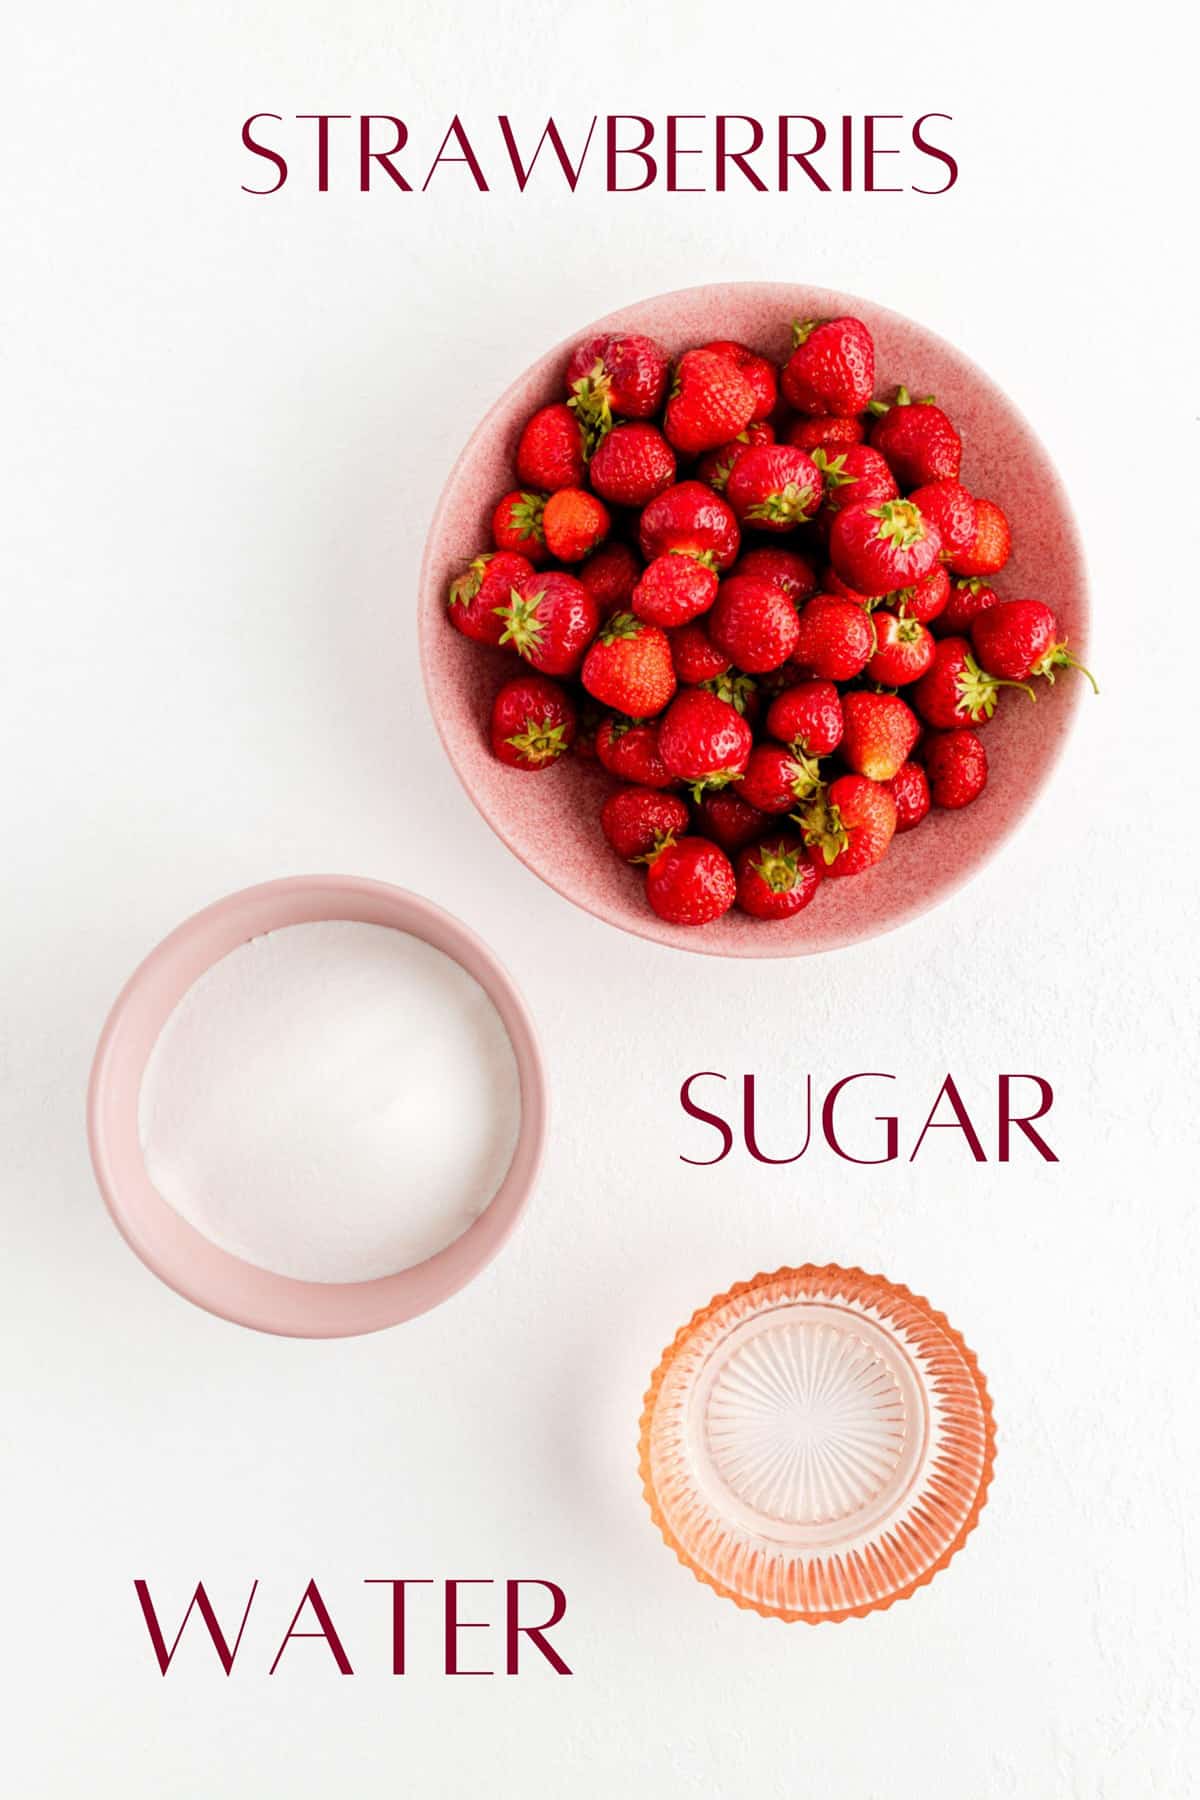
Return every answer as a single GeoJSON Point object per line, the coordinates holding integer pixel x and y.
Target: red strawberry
{"type": "Point", "coordinates": [880, 548]}
{"type": "Point", "coordinates": [775, 879]}
{"type": "Point", "coordinates": [481, 589]}
{"type": "Point", "coordinates": [880, 732]}
{"type": "Point", "coordinates": [952, 509]}
{"type": "Point", "coordinates": [926, 599]}
{"type": "Point", "coordinates": [956, 691]}
{"type": "Point", "coordinates": [831, 369]}
{"type": "Point", "coordinates": [632, 465]}
{"type": "Point", "coordinates": [910, 791]}
{"type": "Point", "coordinates": [968, 598]}
{"type": "Point", "coordinates": [786, 568]}
{"type": "Point", "coordinates": [517, 525]}
{"type": "Point", "coordinates": [855, 476]}
{"type": "Point", "coordinates": [674, 589]}
{"type": "Point", "coordinates": [550, 620]}
{"type": "Point", "coordinates": [849, 827]}
{"type": "Point", "coordinates": [775, 778]}
{"type": "Point", "coordinates": [610, 576]}
{"type": "Point", "coordinates": [629, 667]}
{"type": "Point", "coordinates": [774, 486]}
{"type": "Point", "coordinates": [703, 740]}
{"type": "Point", "coordinates": [574, 523]}
{"type": "Point", "coordinates": [1020, 638]}
{"type": "Point", "coordinates": [808, 716]}
{"type": "Point", "coordinates": [710, 402]}
{"type": "Point", "coordinates": [631, 751]}
{"type": "Point", "coordinates": [831, 435]}
{"type": "Point", "coordinates": [691, 882]}
{"type": "Point", "coordinates": [758, 372]}
{"type": "Point", "coordinates": [550, 451]}
{"type": "Point", "coordinates": [918, 440]}
{"type": "Point", "coordinates": [754, 623]}
{"type": "Point", "coordinates": [728, 820]}
{"type": "Point", "coordinates": [956, 764]}
{"type": "Point", "coordinates": [992, 546]}
{"type": "Point", "coordinates": [716, 466]}
{"type": "Point", "coordinates": [904, 649]}
{"type": "Point", "coordinates": [833, 586]}
{"type": "Point", "coordinates": [617, 373]}
{"type": "Point", "coordinates": [691, 518]}
{"type": "Point", "coordinates": [532, 724]}
{"type": "Point", "coordinates": [836, 638]}
{"type": "Point", "coordinates": [639, 821]}
{"type": "Point", "coordinates": [695, 656]}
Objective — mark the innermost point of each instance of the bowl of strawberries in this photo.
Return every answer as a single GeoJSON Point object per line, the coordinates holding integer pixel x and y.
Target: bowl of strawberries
{"type": "Point", "coordinates": [751, 618]}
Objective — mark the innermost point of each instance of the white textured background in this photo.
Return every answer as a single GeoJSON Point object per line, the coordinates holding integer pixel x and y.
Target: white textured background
{"type": "Point", "coordinates": [226, 421]}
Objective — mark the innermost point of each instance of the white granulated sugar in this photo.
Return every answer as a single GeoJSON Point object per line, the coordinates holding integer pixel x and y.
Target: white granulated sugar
{"type": "Point", "coordinates": [331, 1101]}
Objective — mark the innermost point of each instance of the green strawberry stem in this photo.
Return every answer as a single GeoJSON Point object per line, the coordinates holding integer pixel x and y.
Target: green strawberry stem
{"type": "Point", "coordinates": [802, 330]}
{"type": "Point", "coordinates": [522, 629]}
{"type": "Point", "coordinates": [720, 778]}
{"type": "Point", "coordinates": [663, 841]}
{"type": "Point", "coordinates": [541, 741]}
{"type": "Point", "coordinates": [822, 829]}
{"type": "Point", "coordinates": [833, 468]}
{"type": "Point", "coordinates": [780, 869]}
{"type": "Point", "coordinates": [464, 587]}
{"type": "Point", "coordinates": [978, 691]}
{"type": "Point", "coordinates": [791, 504]}
{"type": "Point", "coordinates": [590, 403]}
{"type": "Point", "coordinates": [1059, 657]}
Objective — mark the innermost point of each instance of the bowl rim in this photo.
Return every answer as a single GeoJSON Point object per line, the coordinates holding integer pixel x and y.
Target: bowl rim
{"type": "Point", "coordinates": [216, 1279]}
{"type": "Point", "coordinates": [652, 929]}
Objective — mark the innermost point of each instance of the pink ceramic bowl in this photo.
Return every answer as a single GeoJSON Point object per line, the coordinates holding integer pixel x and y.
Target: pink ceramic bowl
{"type": "Point", "coordinates": [550, 820]}
{"type": "Point", "coordinates": [179, 1254]}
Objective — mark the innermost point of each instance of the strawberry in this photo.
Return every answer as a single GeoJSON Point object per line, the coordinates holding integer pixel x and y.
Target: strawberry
{"type": "Point", "coordinates": [910, 791]}
{"type": "Point", "coordinates": [754, 623]}
{"type": "Point", "coordinates": [831, 369]}
{"type": "Point", "coordinates": [703, 740]}
{"type": "Point", "coordinates": [610, 575]}
{"type": "Point", "coordinates": [849, 826]}
{"type": "Point", "coordinates": [728, 819]}
{"type": "Point", "coordinates": [808, 716]}
{"type": "Point", "coordinates": [786, 568]}
{"type": "Point", "coordinates": [618, 373]}
{"type": "Point", "coordinates": [716, 466]}
{"type": "Point", "coordinates": [879, 548]}
{"type": "Point", "coordinates": [630, 750]}
{"type": "Point", "coordinates": [629, 667]}
{"type": "Point", "coordinates": [774, 486]}
{"type": "Point", "coordinates": [574, 523]}
{"type": "Point", "coordinates": [969, 596]}
{"type": "Point", "coordinates": [775, 879]}
{"type": "Point", "coordinates": [830, 435]}
{"type": "Point", "coordinates": [836, 638]}
{"type": "Point", "coordinates": [903, 649]}
{"type": "Point", "coordinates": [690, 517]}
{"type": "Point", "coordinates": [992, 546]}
{"type": "Point", "coordinates": [674, 589]}
{"type": "Point", "coordinates": [956, 691]}
{"type": "Point", "coordinates": [757, 371]}
{"type": "Point", "coordinates": [551, 451]}
{"type": "Point", "coordinates": [638, 822]}
{"type": "Point", "coordinates": [952, 509]}
{"type": "Point", "coordinates": [1020, 638]}
{"type": "Point", "coordinates": [926, 599]}
{"type": "Point", "coordinates": [481, 590]}
{"type": "Point", "coordinates": [918, 440]}
{"type": "Point", "coordinates": [632, 464]}
{"type": "Point", "coordinates": [710, 402]}
{"type": "Point", "coordinates": [880, 732]}
{"type": "Point", "coordinates": [855, 476]}
{"type": "Point", "coordinates": [517, 525]}
{"type": "Point", "coordinates": [956, 764]}
{"type": "Point", "coordinates": [832, 586]}
{"type": "Point", "coordinates": [695, 656]}
{"type": "Point", "coordinates": [532, 724]}
{"type": "Point", "coordinates": [550, 620]}
{"type": "Point", "coordinates": [691, 882]}
{"type": "Point", "coordinates": [776, 778]}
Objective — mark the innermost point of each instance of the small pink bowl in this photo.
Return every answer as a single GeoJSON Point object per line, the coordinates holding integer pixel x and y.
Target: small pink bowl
{"type": "Point", "coordinates": [178, 1253]}
{"type": "Point", "coordinates": [551, 820]}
